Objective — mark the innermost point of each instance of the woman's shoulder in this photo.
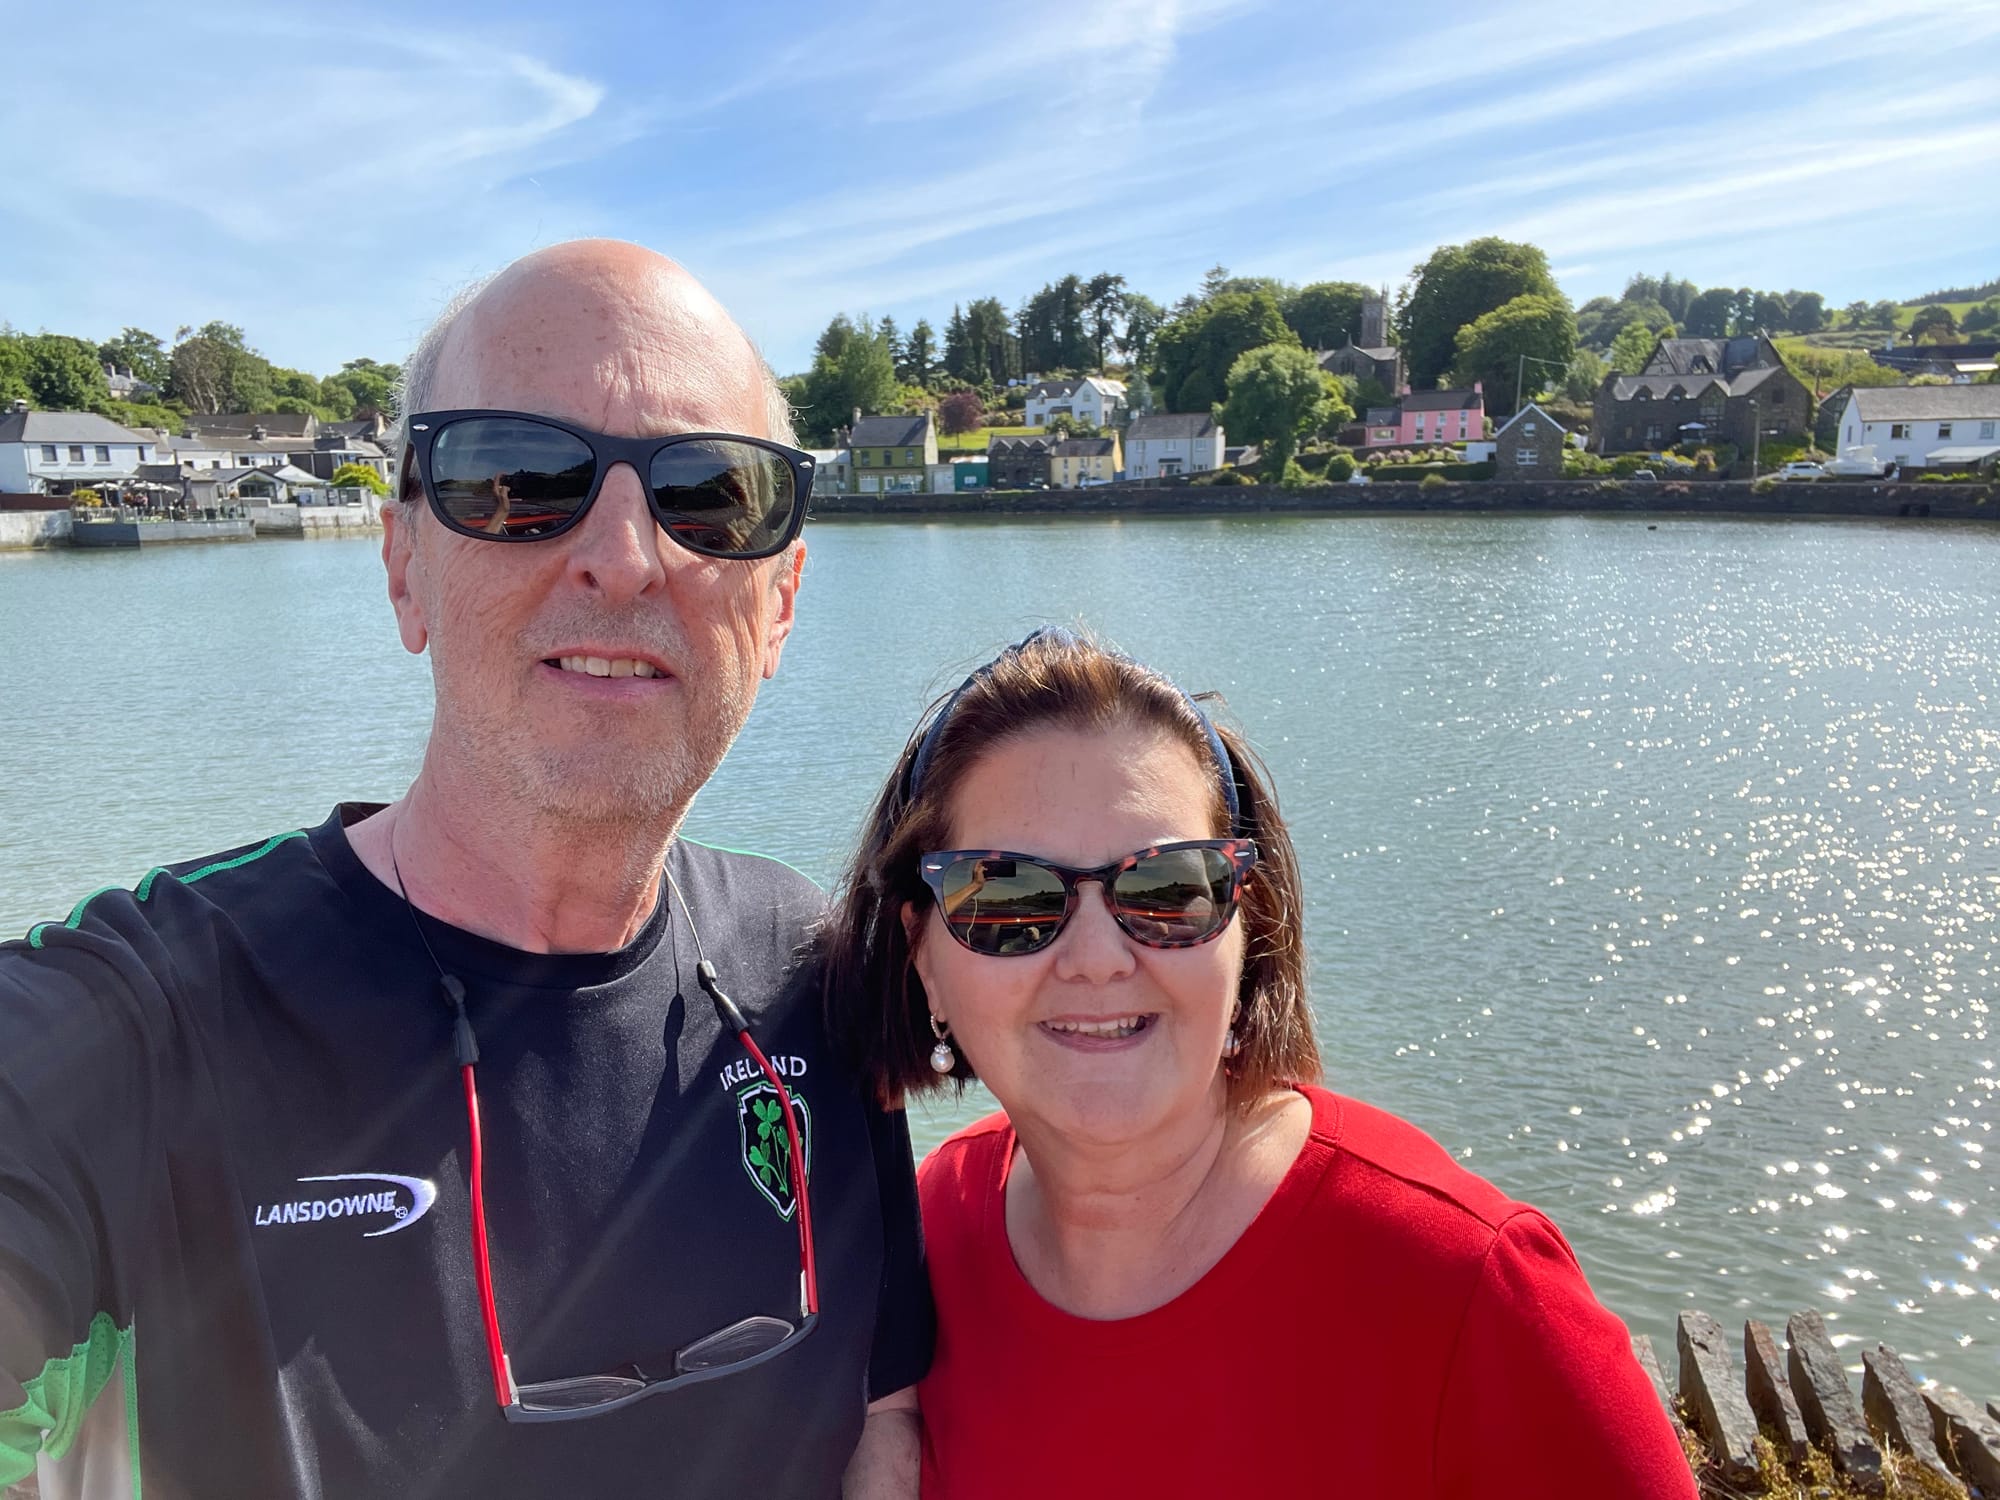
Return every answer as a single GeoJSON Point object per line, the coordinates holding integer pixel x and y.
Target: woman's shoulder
{"type": "Point", "coordinates": [967, 1158]}
{"type": "Point", "coordinates": [1383, 1171]}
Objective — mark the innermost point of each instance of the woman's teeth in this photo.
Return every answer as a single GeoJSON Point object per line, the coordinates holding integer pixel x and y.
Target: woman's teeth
{"type": "Point", "coordinates": [598, 666]}
{"type": "Point", "coordinates": [1121, 1026]}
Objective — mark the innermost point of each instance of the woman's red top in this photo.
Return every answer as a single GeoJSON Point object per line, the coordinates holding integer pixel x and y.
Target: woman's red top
{"type": "Point", "coordinates": [1389, 1324]}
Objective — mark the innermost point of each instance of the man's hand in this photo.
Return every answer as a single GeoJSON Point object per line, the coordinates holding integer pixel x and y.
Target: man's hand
{"type": "Point", "coordinates": [885, 1465]}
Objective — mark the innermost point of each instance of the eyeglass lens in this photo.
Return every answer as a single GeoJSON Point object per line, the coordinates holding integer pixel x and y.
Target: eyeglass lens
{"type": "Point", "coordinates": [515, 477]}
{"type": "Point", "coordinates": [1013, 906]}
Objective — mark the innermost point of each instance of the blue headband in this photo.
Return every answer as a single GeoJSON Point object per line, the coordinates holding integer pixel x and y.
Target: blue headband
{"type": "Point", "coordinates": [920, 764]}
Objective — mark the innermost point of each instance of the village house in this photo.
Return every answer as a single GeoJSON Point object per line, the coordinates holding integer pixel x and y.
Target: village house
{"type": "Point", "coordinates": [57, 452]}
{"type": "Point", "coordinates": [1921, 426]}
{"type": "Point", "coordinates": [1733, 390]}
{"type": "Point", "coordinates": [892, 455]}
{"type": "Point", "coordinates": [1164, 445]}
{"type": "Point", "coordinates": [1079, 461]}
{"type": "Point", "coordinates": [1529, 445]}
{"type": "Point", "coordinates": [1018, 463]}
{"type": "Point", "coordinates": [830, 471]}
{"type": "Point", "coordinates": [1087, 398]}
{"type": "Point", "coordinates": [125, 386]}
{"type": "Point", "coordinates": [1454, 416]}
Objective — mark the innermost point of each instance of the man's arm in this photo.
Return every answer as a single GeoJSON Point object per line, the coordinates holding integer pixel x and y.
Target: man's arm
{"type": "Point", "coordinates": [887, 1463]}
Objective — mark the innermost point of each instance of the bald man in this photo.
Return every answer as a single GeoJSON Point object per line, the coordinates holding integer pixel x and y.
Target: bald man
{"type": "Point", "coordinates": [484, 1143]}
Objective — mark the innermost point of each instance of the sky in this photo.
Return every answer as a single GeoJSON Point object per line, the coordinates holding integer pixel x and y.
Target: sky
{"type": "Point", "coordinates": [326, 177]}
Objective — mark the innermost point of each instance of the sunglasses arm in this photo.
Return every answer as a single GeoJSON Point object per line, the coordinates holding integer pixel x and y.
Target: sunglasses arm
{"type": "Point", "coordinates": [732, 1017]}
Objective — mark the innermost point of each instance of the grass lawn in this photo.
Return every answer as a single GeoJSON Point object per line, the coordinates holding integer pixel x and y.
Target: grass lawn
{"type": "Point", "coordinates": [1909, 310]}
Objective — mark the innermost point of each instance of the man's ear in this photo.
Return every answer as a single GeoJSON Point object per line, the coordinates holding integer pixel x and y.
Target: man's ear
{"type": "Point", "coordinates": [401, 560]}
{"type": "Point", "coordinates": [785, 587]}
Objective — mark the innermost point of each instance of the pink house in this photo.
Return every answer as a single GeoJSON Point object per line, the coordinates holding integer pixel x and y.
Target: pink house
{"type": "Point", "coordinates": [1429, 418]}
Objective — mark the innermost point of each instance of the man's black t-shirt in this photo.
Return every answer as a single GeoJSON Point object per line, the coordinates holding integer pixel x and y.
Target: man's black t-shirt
{"type": "Point", "coordinates": [234, 1204]}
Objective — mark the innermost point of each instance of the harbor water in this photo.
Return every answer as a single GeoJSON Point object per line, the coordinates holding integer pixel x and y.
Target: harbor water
{"type": "Point", "coordinates": [1652, 869]}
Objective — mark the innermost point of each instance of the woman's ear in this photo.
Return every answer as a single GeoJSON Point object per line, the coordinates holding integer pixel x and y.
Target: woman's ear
{"type": "Point", "coordinates": [915, 921]}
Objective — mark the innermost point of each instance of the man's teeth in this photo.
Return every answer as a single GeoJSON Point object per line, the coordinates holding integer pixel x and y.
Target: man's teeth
{"type": "Point", "coordinates": [1121, 1027]}
{"type": "Point", "coordinates": [598, 666]}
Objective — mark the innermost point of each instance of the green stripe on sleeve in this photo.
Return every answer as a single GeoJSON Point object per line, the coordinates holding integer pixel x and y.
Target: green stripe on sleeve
{"type": "Point", "coordinates": [145, 887]}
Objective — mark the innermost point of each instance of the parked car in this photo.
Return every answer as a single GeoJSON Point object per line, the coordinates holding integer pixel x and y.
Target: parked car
{"type": "Point", "coordinates": [1801, 469]}
{"type": "Point", "coordinates": [1357, 477]}
{"type": "Point", "coordinates": [1644, 474]}
{"type": "Point", "coordinates": [1859, 462]}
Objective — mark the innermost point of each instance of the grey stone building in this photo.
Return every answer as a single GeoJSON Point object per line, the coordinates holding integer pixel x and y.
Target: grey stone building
{"type": "Point", "coordinates": [1701, 390]}
{"type": "Point", "coordinates": [1529, 446]}
{"type": "Point", "coordinates": [1018, 463]}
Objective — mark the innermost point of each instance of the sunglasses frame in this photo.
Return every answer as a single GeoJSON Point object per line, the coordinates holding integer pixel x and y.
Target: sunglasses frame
{"type": "Point", "coordinates": [607, 451]}
{"type": "Point", "coordinates": [1241, 854]}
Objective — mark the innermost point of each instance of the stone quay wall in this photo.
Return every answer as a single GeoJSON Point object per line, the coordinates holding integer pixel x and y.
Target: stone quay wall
{"type": "Point", "coordinates": [1816, 499]}
{"type": "Point", "coordinates": [1790, 1413]}
{"type": "Point", "coordinates": [22, 529]}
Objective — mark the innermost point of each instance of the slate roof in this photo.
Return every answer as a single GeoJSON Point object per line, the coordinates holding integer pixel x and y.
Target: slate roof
{"type": "Point", "coordinates": [233, 425]}
{"type": "Point", "coordinates": [1711, 356]}
{"type": "Point", "coordinates": [1664, 387]}
{"type": "Point", "coordinates": [1082, 448]}
{"type": "Point", "coordinates": [1444, 401]}
{"type": "Point", "coordinates": [1185, 424]}
{"type": "Point", "coordinates": [1530, 410]}
{"type": "Point", "coordinates": [64, 427]}
{"type": "Point", "coordinates": [1020, 445]}
{"type": "Point", "coordinates": [890, 432]}
{"type": "Point", "coordinates": [1044, 390]}
{"type": "Point", "coordinates": [1928, 403]}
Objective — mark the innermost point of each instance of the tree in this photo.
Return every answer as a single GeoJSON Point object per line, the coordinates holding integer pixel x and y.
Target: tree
{"type": "Point", "coordinates": [1935, 323]}
{"type": "Point", "coordinates": [1278, 394]}
{"type": "Point", "coordinates": [1882, 315]}
{"type": "Point", "coordinates": [63, 374]}
{"type": "Point", "coordinates": [138, 351]}
{"type": "Point", "coordinates": [1458, 285]}
{"type": "Point", "coordinates": [1197, 350]}
{"type": "Point", "coordinates": [958, 361]}
{"type": "Point", "coordinates": [1143, 320]}
{"type": "Point", "coordinates": [994, 350]}
{"type": "Point", "coordinates": [1212, 282]}
{"type": "Point", "coordinates": [1808, 312]}
{"type": "Point", "coordinates": [961, 411]}
{"type": "Point", "coordinates": [1856, 314]}
{"type": "Point", "coordinates": [854, 372]}
{"type": "Point", "coordinates": [893, 338]}
{"type": "Point", "coordinates": [13, 368]}
{"type": "Point", "coordinates": [1326, 314]}
{"type": "Point", "coordinates": [1710, 315]}
{"type": "Point", "coordinates": [1585, 374]}
{"type": "Point", "coordinates": [1769, 313]}
{"type": "Point", "coordinates": [1104, 299]}
{"type": "Point", "coordinates": [358, 476]}
{"type": "Point", "coordinates": [1982, 319]}
{"type": "Point", "coordinates": [1632, 348]}
{"type": "Point", "coordinates": [202, 371]}
{"type": "Point", "coordinates": [364, 385]}
{"type": "Point", "coordinates": [919, 356]}
{"type": "Point", "coordinates": [1516, 349]}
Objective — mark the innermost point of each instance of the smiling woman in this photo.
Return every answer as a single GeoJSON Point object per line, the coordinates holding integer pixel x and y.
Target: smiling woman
{"type": "Point", "coordinates": [1079, 889]}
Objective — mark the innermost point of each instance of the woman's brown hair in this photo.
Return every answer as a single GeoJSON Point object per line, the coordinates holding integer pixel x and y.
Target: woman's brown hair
{"type": "Point", "coordinates": [876, 1007]}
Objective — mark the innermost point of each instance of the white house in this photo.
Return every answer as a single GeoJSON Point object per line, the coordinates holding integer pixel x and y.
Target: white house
{"type": "Point", "coordinates": [831, 468]}
{"type": "Point", "coordinates": [1908, 424]}
{"type": "Point", "coordinates": [1158, 447]}
{"type": "Point", "coordinates": [44, 450]}
{"type": "Point", "coordinates": [1088, 398]}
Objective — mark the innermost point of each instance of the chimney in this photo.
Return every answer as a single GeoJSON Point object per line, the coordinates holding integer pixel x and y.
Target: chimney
{"type": "Point", "coordinates": [19, 406]}
{"type": "Point", "coordinates": [257, 432]}
{"type": "Point", "coordinates": [857, 416]}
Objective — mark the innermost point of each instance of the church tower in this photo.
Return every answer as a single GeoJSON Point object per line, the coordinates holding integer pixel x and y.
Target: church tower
{"type": "Point", "coordinates": [1374, 320]}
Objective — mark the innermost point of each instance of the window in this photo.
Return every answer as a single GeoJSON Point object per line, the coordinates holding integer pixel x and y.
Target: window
{"type": "Point", "coordinates": [1898, 431]}
{"type": "Point", "coordinates": [76, 453]}
{"type": "Point", "coordinates": [1527, 428]}
{"type": "Point", "coordinates": [1944, 429]}
{"type": "Point", "coordinates": [48, 453]}
{"type": "Point", "coordinates": [1986, 429]}
{"type": "Point", "coordinates": [909, 455]}
{"type": "Point", "coordinates": [1526, 456]}
{"type": "Point", "coordinates": [103, 454]}
{"type": "Point", "coordinates": [1654, 432]}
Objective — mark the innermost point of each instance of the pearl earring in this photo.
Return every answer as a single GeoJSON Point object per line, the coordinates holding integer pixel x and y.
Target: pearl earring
{"type": "Point", "coordinates": [943, 1059]}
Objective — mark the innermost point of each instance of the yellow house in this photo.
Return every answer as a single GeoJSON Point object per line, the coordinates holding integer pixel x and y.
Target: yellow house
{"type": "Point", "coordinates": [1080, 461]}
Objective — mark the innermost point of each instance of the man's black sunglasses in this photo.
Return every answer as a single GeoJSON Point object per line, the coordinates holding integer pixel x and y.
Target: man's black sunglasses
{"type": "Point", "coordinates": [510, 476]}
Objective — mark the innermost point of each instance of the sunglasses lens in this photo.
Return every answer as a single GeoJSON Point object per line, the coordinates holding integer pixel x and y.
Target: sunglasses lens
{"type": "Point", "coordinates": [725, 499]}
{"type": "Point", "coordinates": [1002, 906]}
{"type": "Point", "coordinates": [1176, 898]}
{"type": "Point", "coordinates": [509, 476]}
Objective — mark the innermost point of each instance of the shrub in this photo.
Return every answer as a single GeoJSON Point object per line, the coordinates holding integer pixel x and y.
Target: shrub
{"type": "Point", "coordinates": [1764, 486]}
{"type": "Point", "coordinates": [1340, 467]}
{"type": "Point", "coordinates": [961, 411]}
{"type": "Point", "coordinates": [85, 497]}
{"type": "Point", "coordinates": [1433, 482]}
{"type": "Point", "coordinates": [1704, 461]}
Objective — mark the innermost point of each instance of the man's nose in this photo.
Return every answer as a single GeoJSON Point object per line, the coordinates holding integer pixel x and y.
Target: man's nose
{"type": "Point", "coordinates": [617, 549]}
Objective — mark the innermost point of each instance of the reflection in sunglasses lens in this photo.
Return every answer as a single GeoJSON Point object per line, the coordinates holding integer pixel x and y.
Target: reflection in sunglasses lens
{"type": "Point", "coordinates": [716, 496]}
{"type": "Point", "coordinates": [1176, 897]}
{"type": "Point", "coordinates": [1003, 905]}
{"type": "Point", "coordinates": [507, 476]}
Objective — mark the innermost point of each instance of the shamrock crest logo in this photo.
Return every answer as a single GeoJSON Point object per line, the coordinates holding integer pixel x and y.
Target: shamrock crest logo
{"type": "Point", "coordinates": [767, 1147]}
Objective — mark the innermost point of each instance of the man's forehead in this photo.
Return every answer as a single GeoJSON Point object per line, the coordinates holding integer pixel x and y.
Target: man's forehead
{"type": "Point", "coordinates": [623, 349]}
